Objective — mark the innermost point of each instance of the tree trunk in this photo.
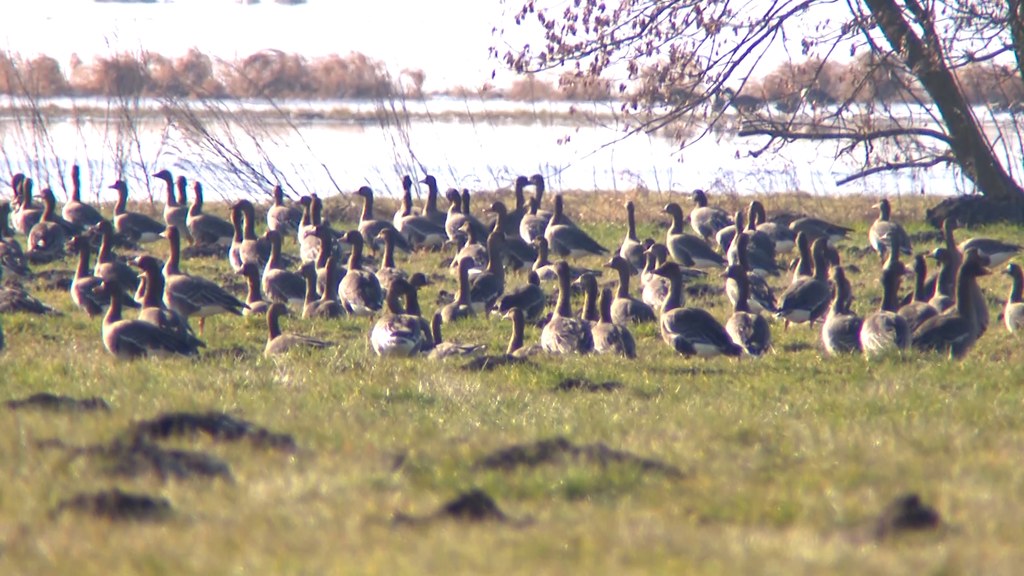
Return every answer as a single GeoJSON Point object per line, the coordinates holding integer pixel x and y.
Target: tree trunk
{"type": "Point", "coordinates": [926, 62]}
{"type": "Point", "coordinates": [1016, 17]}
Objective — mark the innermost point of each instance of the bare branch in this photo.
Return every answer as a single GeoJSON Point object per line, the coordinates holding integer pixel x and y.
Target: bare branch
{"type": "Point", "coordinates": [894, 166]}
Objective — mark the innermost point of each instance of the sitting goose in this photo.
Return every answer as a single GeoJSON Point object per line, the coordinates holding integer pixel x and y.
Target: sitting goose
{"type": "Point", "coordinates": [748, 329]}
{"type": "Point", "coordinates": [485, 288]}
{"type": "Point", "coordinates": [279, 284]}
{"type": "Point", "coordinates": [280, 342]}
{"type": "Point", "coordinates": [588, 285]}
{"type": "Point", "coordinates": [109, 267]}
{"type": "Point", "coordinates": [691, 331]}
{"type": "Point", "coordinates": [206, 229]}
{"type": "Point", "coordinates": [516, 349]}
{"type": "Point", "coordinates": [1013, 312]}
{"type": "Point", "coordinates": [945, 283]}
{"type": "Point", "coordinates": [686, 248]}
{"type": "Point", "coordinates": [27, 214]}
{"type": "Point", "coordinates": [816, 228]}
{"type": "Point", "coordinates": [761, 297]}
{"type": "Point", "coordinates": [360, 290]}
{"type": "Point", "coordinates": [807, 298]}
{"type": "Point", "coordinates": [282, 218]}
{"type": "Point", "coordinates": [885, 329]}
{"type": "Point", "coordinates": [954, 332]}
{"type": "Point", "coordinates": [135, 226]}
{"type": "Point", "coordinates": [244, 243]}
{"type": "Point", "coordinates": [78, 213]}
{"type": "Point", "coordinates": [153, 309]}
{"type": "Point", "coordinates": [565, 334]}
{"type": "Point", "coordinates": [568, 240]}
{"type": "Point", "coordinates": [16, 299]}
{"type": "Point", "coordinates": [705, 220]}
{"type": "Point", "coordinates": [399, 332]}
{"type": "Point", "coordinates": [254, 301]}
{"type": "Point", "coordinates": [656, 288]}
{"type": "Point", "coordinates": [462, 306]}
{"type": "Point", "coordinates": [444, 349]}
{"type": "Point", "coordinates": [782, 235]}
{"type": "Point", "coordinates": [430, 210]}
{"type": "Point", "coordinates": [841, 332]}
{"type": "Point", "coordinates": [388, 271]}
{"type": "Point", "coordinates": [542, 266]}
{"type": "Point", "coordinates": [884, 232]}
{"type": "Point", "coordinates": [625, 309]}
{"type": "Point", "coordinates": [529, 298]}
{"type": "Point", "coordinates": [370, 227]}
{"type": "Point", "coordinates": [419, 230]}
{"type": "Point", "coordinates": [474, 249]}
{"type": "Point", "coordinates": [47, 237]}
{"type": "Point", "coordinates": [328, 305]}
{"type": "Point", "coordinates": [918, 310]}
{"type": "Point", "coordinates": [175, 213]}
{"type": "Point", "coordinates": [12, 258]}
{"type": "Point", "coordinates": [631, 250]}
{"type": "Point", "coordinates": [611, 337]}
{"type": "Point", "coordinates": [307, 236]}
{"type": "Point", "coordinates": [759, 259]}
{"type": "Point", "coordinates": [193, 295]}
{"type": "Point", "coordinates": [87, 291]}
{"type": "Point", "coordinates": [129, 339]}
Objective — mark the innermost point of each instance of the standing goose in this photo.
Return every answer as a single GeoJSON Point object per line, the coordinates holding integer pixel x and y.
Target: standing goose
{"type": "Point", "coordinates": [1013, 312]}
{"type": "Point", "coordinates": [945, 283]}
{"type": "Point", "coordinates": [109, 267]}
{"type": "Point", "coordinates": [467, 211]}
{"type": "Point", "coordinates": [87, 291]}
{"type": "Point", "coordinates": [954, 332]}
{"type": "Point", "coordinates": [444, 349]}
{"type": "Point", "coordinates": [656, 288]}
{"type": "Point", "coordinates": [568, 240]}
{"type": "Point", "coordinates": [565, 334]}
{"type": "Point", "coordinates": [244, 244]}
{"type": "Point", "coordinates": [885, 329]}
{"type": "Point", "coordinates": [78, 213]}
{"type": "Point", "coordinates": [206, 229]}
{"type": "Point", "coordinates": [529, 298]}
{"type": "Point", "coordinates": [27, 214]}
{"type": "Point", "coordinates": [758, 251]}
{"type": "Point", "coordinates": [534, 222]}
{"type": "Point", "coordinates": [399, 332]}
{"type": "Point", "coordinates": [419, 230]}
{"type": "Point", "coordinates": [370, 227]}
{"type": "Point", "coordinates": [807, 298]}
{"type": "Point", "coordinates": [254, 301]}
{"type": "Point", "coordinates": [686, 248]}
{"type": "Point", "coordinates": [517, 251]}
{"type": "Point", "coordinates": [129, 339]}
{"type": "Point", "coordinates": [279, 284]}
{"type": "Point", "coordinates": [631, 250]}
{"type": "Point", "coordinates": [328, 305]}
{"type": "Point", "coordinates": [611, 337]}
{"type": "Point", "coordinates": [625, 308]}
{"type": "Point", "coordinates": [193, 295]}
{"type": "Point", "coordinates": [306, 235]}
{"type": "Point", "coordinates": [175, 213]}
{"type": "Point", "coordinates": [282, 218]}
{"type": "Point", "coordinates": [360, 290]}
{"type": "Point", "coordinates": [705, 220]}
{"type": "Point", "coordinates": [783, 237]}
{"type": "Point", "coordinates": [918, 310]}
{"type": "Point", "coordinates": [47, 237]}
{"type": "Point", "coordinates": [388, 271]}
{"type": "Point", "coordinates": [816, 228]}
{"type": "Point", "coordinates": [804, 262]}
{"type": "Point", "coordinates": [489, 285]}
{"type": "Point", "coordinates": [474, 249]}
{"type": "Point", "coordinates": [748, 329]}
{"type": "Point", "coordinates": [761, 297]}
{"type": "Point", "coordinates": [996, 251]}
{"type": "Point", "coordinates": [691, 331]}
{"type": "Point", "coordinates": [135, 226]}
{"type": "Point", "coordinates": [841, 332]}
{"type": "Point", "coordinates": [12, 258]}
{"type": "Point", "coordinates": [279, 342]}
{"type": "Point", "coordinates": [462, 306]}
{"type": "Point", "coordinates": [515, 216]}
{"type": "Point", "coordinates": [430, 210]}
{"type": "Point", "coordinates": [153, 309]}
{"type": "Point", "coordinates": [884, 232]}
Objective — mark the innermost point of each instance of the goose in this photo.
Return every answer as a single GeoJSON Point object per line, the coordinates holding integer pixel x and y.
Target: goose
{"type": "Point", "coordinates": [462, 306]}
{"type": "Point", "coordinates": [327, 305]}
{"type": "Point", "coordinates": [955, 259]}
{"type": "Point", "coordinates": [805, 261]}
{"type": "Point", "coordinates": [611, 337]}
{"type": "Point", "coordinates": [27, 214]}
{"type": "Point", "coordinates": [47, 237]}
{"type": "Point", "coordinates": [400, 333]}
{"type": "Point", "coordinates": [419, 231]}
{"type": "Point", "coordinates": [840, 333]}
{"type": "Point", "coordinates": [533, 223]}
{"type": "Point", "coordinates": [360, 290]}
{"type": "Point", "coordinates": [759, 259]}
{"type": "Point", "coordinates": [563, 333]}
{"type": "Point", "coordinates": [626, 309]}
{"type": "Point", "coordinates": [816, 228]}
{"type": "Point", "coordinates": [153, 309]}
{"type": "Point", "coordinates": [516, 250]}
{"type": "Point", "coordinates": [691, 331]}
{"type": "Point", "coordinates": [656, 289]}
{"type": "Point", "coordinates": [206, 229]}
{"type": "Point", "coordinates": [884, 232]}
{"type": "Point", "coordinates": [783, 237]}
{"type": "Point", "coordinates": [12, 258]}
{"type": "Point", "coordinates": [370, 227]}
{"type": "Point", "coordinates": [748, 329]}
{"type": "Point", "coordinates": [87, 291]}
{"type": "Point", "coordinates": [315, 236]}
{"type": "Point", "coordinates": [16, 299]}
{"type": "Point", "coordinates": [474, 249]}
{"type": "Point", "coordinates": [467, 211]}
{"type": "Point", "coordinates": [953, 332]}
{"type": "Point", "coordinates": [686, 248]}
{"type": "Point", "coordinates": [245, 246]}
{"type": "Point", "coordinates": [193, 295]}
{"type": "Point", "coordinates": [996, 251]}
{"type": "Point", "coordinates": [135, 226]}
{"type": "Point", "coordinates": [885, 329]}
{"type": "Point", "coordinates": [388, 271]}
{"type": "Point", "coordinates": [328, 247]}
{"type": "Point", "coordinates": [705, 220]}
{"type": "Point", "coordinates": [457, 220]}
{"type": "Point", "coordinates": [807, 298]}
{"type": "Point", "coordinates": [430, 209]}
{"type": "Point", "coordinates": [108, 266]}
{"type": "Point", "coordinates": [529, 298]}
{"type": "Point", "coordinates": [945, 283]}
{"type": "Point", "coordinates": [762, 249]}
{"type": "Point", "coordinates": [256, 305]}
{"type": "Point", "coordinates": [175, 213]}
{"type": "Point", "coordinates": [761, 297]}
{"type": "Point", "coordinates": [78, 213]}
{"type": "Point", "coordinates": [1013, 311]}
{"type": "Point", "coordinates": [516, 347]}
{"type": "Point", "coordinates": [485, 288]}
{"type": "Point", "coordinates": [539, 186]}
{"type": "Point", "coordinates": [129, 339]}
{"type": "Point", "coordinates": [444, 349]}
{"type": "Point", "coordinates": [918, 310]}
{"type": "Point", "coordinates": [631, 250]}
{"type": "Point", "coordinates": [588, 285]}
{"type": "Point", "coordinates": [515, 216]}
{"type": "Point", "coordinates": [282, 218]}
{"type": "Point", "coordinates": [568, 240]}
{"type": "Point", "coordinates": [279, 342]}
{"type": "Point", "coordinates": [542, 266]}
{"type": "Point", "coordinates": [181, 183]}
{"type": "Point", "coordinates": [279, 284]}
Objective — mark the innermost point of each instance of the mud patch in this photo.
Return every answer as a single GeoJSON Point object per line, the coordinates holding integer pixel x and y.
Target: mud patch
{"type": "Point", "coordinates": [117, 505]}
{"type": "Point", "coordinates": [584, 385]}
{"type": "Point", "coordinates": [50, 402]}
{"type": "Point", "coordinates": [473, 506]}
{"type": "Point", "coordinates": [906, 514]}
{"type": "Point", "coordinates": [55, 280]}
{"type": "Point", "coordinates": [559, 449]}
{"type": "Point", "coordinates": [217, 425]}
{"type": "Point", "coordinates": [143, 458]}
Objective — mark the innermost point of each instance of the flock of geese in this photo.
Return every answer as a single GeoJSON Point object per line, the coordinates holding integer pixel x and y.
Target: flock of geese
{"type": "Point", "coordinates": [331, 275]}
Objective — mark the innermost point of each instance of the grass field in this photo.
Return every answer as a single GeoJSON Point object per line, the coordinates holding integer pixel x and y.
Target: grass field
{"type": "Point", "coordinates": [720, 466]}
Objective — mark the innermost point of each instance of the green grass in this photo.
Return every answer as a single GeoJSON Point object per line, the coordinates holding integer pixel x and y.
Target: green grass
{"type": "Point", "coordinates": [786, 461]}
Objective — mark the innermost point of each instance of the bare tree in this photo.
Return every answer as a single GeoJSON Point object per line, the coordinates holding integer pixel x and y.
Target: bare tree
{"type": "Point", "coordinates": [689, 61]}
